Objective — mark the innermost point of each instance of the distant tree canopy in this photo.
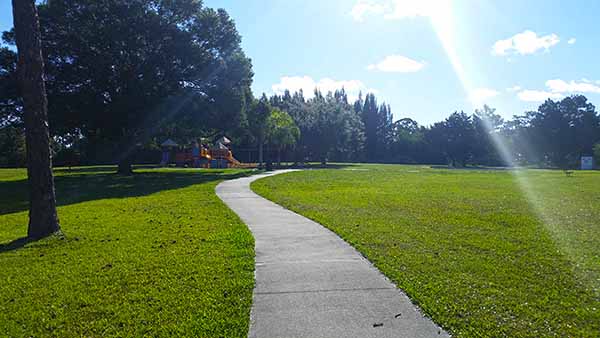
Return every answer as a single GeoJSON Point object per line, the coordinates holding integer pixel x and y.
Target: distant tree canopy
{"type": "Point", "coordinates": [555, 135]}
{"type": "Point", "coordinates": [257, 124]}
{"type": "Point", "coordinates": [329, 126]}
{"type": "Point", "coordinates": [119, 70]}
{"type": "Point", "coordinates": [562, 131]}
{"type": "Point", "coordinates": [282, 131]}
{"type": "Point", "coordinates": [455, 138]}
{"type": "Point", "coordinates": [10, 100]}
{"type": "Point", "coordinates": [12, 147]}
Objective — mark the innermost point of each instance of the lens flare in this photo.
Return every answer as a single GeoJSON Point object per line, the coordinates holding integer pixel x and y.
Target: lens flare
{"type": "Point", "coordinates": [442, 19]}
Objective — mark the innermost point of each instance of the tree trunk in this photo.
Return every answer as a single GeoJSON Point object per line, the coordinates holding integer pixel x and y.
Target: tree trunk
{"type": "Point", "coordinates": [126, 158]}
{"type": "Point", "coordinates": [43, 219]}
{"type": "Point", "coordinates": [269, 160]}
{"type": "Point", "coordinates": [260, 153]}
{"type": "Point", "coordinates": [125, 167]}
{"type": "Point", "coordinates": [279, 156]}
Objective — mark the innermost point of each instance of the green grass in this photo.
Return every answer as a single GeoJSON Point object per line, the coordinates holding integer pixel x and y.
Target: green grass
{"type": "Point", "coordinates": [478, 255]}
{"type": "Point", "coordinates": [155, 254]}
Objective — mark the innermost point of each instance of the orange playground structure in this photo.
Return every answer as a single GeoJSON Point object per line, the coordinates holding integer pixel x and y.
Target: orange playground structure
{"type": "Point", "coordinates": [200, 155]}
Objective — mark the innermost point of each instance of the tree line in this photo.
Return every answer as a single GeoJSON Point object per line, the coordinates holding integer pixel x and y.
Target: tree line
{"type": "Point", "coordinates": [332, 128]}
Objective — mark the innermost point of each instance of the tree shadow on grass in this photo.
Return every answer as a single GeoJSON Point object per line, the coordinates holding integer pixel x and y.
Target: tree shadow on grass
{"type": "Point", "coordinates": [330, 166]}
{"type": "Point", "coordinates": [92, 185]}
{"type": "Point", "coordinates": [98, 169]}
{"type": "Point", "coordinates": [314, 165]}
{"type": "Point", "coordinates": [14, 245]}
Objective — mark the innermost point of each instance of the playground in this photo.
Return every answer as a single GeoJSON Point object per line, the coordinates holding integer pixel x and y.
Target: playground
{"type": "Point", "coordinates": [199, 154]}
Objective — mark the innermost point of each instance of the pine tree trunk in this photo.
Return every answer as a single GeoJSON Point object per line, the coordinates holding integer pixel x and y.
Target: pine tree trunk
{"type": "Point", "coordinates": [125, 167]}
{"type": "Point", "coordinates": [126, 157]}
{"type": "Point", "coordinates": [260, 153]}
{"type": "Point", "coordinates": [269, 160]}
{"type": "Point", "coordinates": [279, 156]}
{"type": "Point", "coordinates": [43, 219]}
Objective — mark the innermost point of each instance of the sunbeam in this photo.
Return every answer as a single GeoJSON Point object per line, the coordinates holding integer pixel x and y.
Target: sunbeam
{"type": "Point", "coordinates": [443, 21]}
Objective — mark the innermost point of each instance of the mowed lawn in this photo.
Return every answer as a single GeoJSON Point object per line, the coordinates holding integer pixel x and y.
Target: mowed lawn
{"type": "Point", "coordinates": [476, 253]}
{"type": "Point", "coordinates": [156, 254]}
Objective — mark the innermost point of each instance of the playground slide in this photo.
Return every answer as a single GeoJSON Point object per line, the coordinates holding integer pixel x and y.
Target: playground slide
{"type": "Point", "coordinates": [233, 161]}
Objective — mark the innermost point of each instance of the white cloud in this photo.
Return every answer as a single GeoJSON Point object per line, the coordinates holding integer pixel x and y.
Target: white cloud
{"type": "Point", "coordinates": [308, 85]}
{"type": "Point", "coordinates": [571, 41]}
{"type": "Point", "coordinates": [365, 7]}
{"type": "Point", "coordinates": [397, 64]}
{"type": "Point", "coordinates": [524, 43]}
{"type": "Point", "coordinates": [537, 95]}
{"type": "Point", "coordinates": [412, 8]}
{"type": "Point", "coordinates": [396, 9]}
{"type": "Point", "coordinates": [561, 86]}
{"type": "Point", "coordinates": [557, 89]}
{"type": "Point", "coordinates": [478, 96]}
{"type": "Point", "coordinates": [513, 88]}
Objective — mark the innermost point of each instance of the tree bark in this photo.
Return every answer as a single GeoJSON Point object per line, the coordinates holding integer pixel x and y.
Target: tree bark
{"type": "Point", "coordinates": [260, 152]}
{"type": "Point", "coordinates": [269, 160]}
{"type": "Point", "coordinates": [279, 156]}
{"type": "Point", "coordinates": [125, 167]}
{"type": "Point", "coordinates": [43, 219]}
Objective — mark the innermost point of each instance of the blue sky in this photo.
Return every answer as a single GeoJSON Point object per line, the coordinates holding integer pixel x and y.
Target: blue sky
{"type": "Point", "coordinates": [425, 58]}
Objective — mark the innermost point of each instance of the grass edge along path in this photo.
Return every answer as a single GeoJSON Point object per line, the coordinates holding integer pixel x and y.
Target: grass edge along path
{"type": "Point", "coordinates": [464, 245]}
{"type": "Point", "coordinates": [154, 254]}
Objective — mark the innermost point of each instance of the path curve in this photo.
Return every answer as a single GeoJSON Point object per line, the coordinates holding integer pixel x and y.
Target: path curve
{"type": "Point", "coordinates": [311, 283]}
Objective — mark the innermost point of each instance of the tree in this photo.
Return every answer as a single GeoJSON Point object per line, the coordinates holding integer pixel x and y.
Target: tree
{"type": "Point", "coordinates": [12, 147]}
{"type": "Point", "coordinates": [335, 130]}
{"type": "Point", "coordinates": [597, 153]}
{"type": "Point", "coordinates": [329, 126]}
{"type": "Point", "coordinates": [43, 219]}
{"type": "Point", "coordinates": [370, 119]}
{"type": "Point", "coordinates": [281, 131]}
{"type": "Point", "coordinates": [486, 125]}
{"type": "Point", "coordinates": [455, 137]}
{"type": "Point", "coordinates": [120, 69]}
{"type": "Point", "coordinates": [11, 103]}
{"type": "Point", "coordinates": [324, 128]}
{"type": "Point", "coordinates": [562, 131]}
{"type": "Point", "coordinates": [350, 137]}
{"type": "Point", "coordinates": [407, 141]}
{"type": "Point", "coordinates": [258, 116]}
{"type": "Point", "coordinates": [384, 132]}
{"type": "Point", "coordinates": [300, 110]}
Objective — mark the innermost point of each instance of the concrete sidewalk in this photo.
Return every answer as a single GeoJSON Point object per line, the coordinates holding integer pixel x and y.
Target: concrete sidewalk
{"type": "Point", "coordinates": [311, 283]}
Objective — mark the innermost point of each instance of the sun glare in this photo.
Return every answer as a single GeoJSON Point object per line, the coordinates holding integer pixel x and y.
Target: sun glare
{"type": "Point", "coordinates": [442, 18]}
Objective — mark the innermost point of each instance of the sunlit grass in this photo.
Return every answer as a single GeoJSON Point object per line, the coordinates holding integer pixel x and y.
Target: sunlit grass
{"type": "Point", "coordinates": [466, 245]}
{"type": "Point", "coordinates": [155, 254]}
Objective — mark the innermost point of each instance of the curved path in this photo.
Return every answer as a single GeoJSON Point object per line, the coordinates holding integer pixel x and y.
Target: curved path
{"type": "Point", "coordinates": [311, 283]}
